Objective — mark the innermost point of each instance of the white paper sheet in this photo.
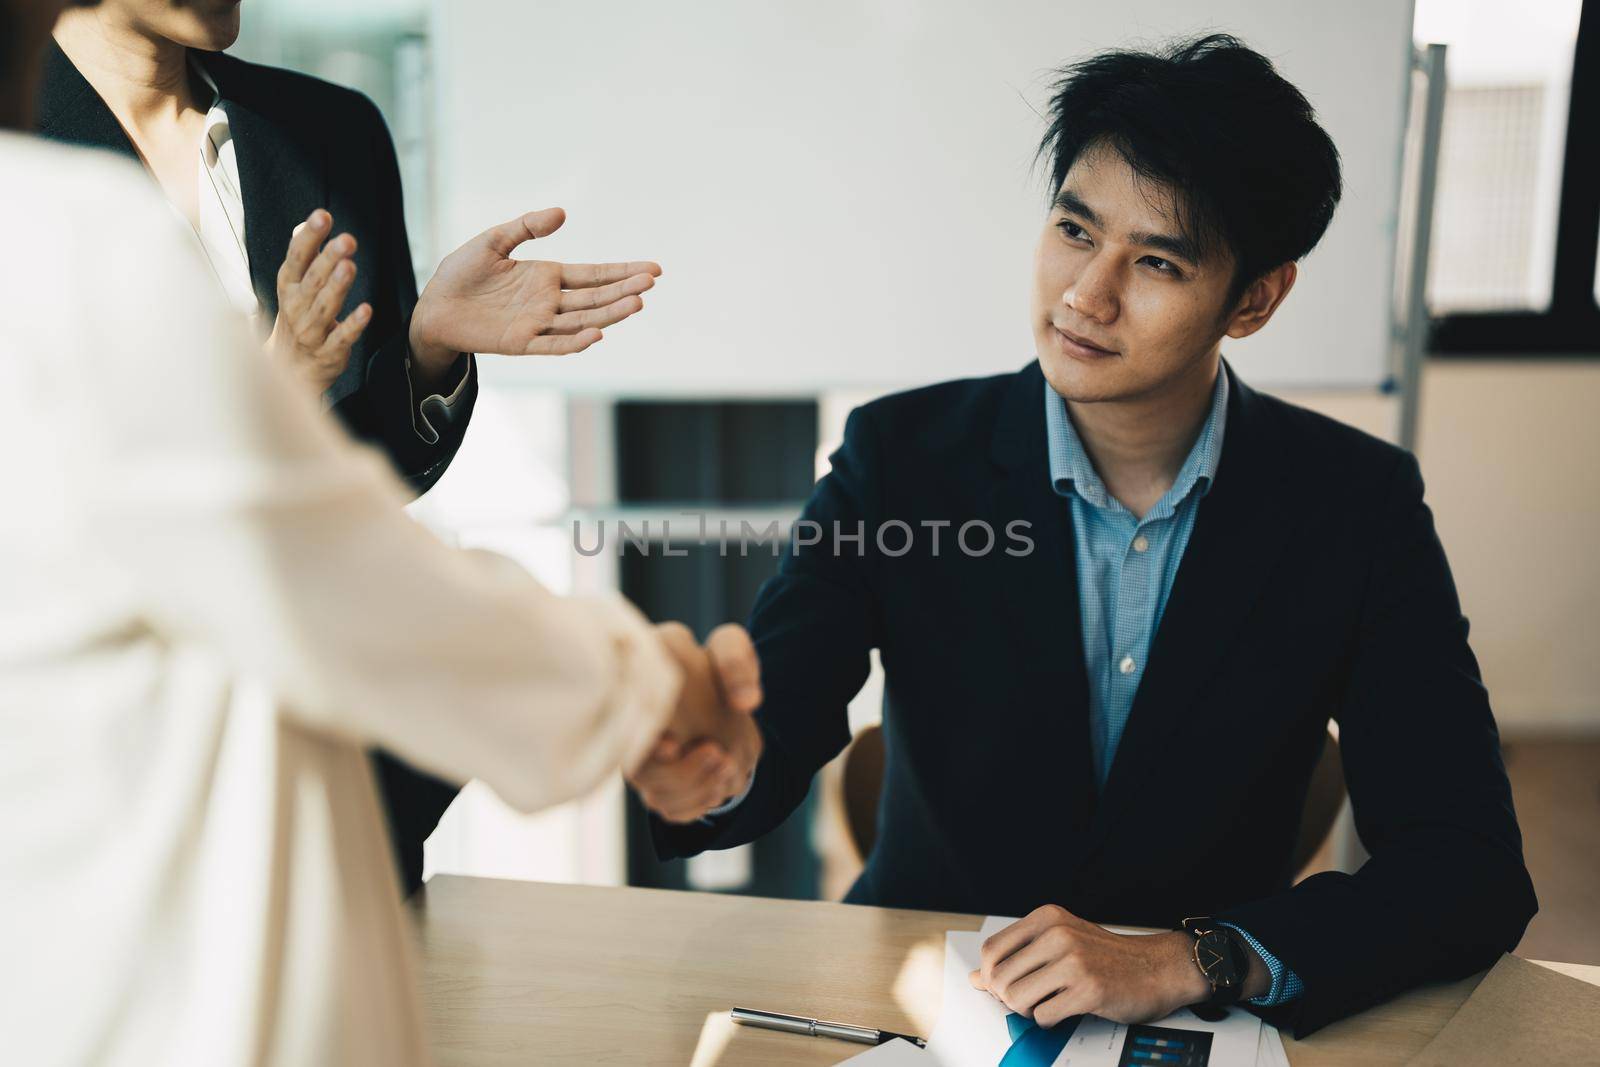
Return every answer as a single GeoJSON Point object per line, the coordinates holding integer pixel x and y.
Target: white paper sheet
{"type": "Point", "coordinates": [1234, 1041]}
{"type": "Point", "coordinates": [894, 1054]}
{"type": "Point", "coordinates": [971, 1030]}
{"type": "Point", "coordinates": [972, 1024]}
{"type": "Point", "coordinates": [995, 923]}
{"type": "Point", "coordinates": [1271, 1053]}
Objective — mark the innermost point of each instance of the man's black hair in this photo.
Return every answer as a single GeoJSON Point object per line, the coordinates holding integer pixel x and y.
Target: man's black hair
{"type": "Point", "coordinates": [1237, 147]}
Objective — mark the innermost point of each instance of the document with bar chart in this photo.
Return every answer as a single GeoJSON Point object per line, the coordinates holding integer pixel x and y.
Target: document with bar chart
{"type": "Point", "coordinates": [1182, 1039]}
{"type": "Point", "coordinates": [974, 1030]}
{"type": "Point", "coordinates": [1163, 1047]}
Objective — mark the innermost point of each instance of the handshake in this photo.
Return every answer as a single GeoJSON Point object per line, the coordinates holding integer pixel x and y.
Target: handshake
{"type": "Point", "coordinates": [709, 750]}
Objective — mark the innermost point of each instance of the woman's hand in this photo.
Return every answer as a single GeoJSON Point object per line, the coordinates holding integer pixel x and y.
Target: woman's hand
{"type": "Point", "coordinates": [482, 300]}
{"type": "Point", "coordinates": [710, 749]}
{"type": "Point", "coordinates": [312, 285]}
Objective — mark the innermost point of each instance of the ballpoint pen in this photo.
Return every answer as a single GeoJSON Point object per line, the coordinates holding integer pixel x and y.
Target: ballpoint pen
{"type": "Point", "coordinates": [798, 1024]}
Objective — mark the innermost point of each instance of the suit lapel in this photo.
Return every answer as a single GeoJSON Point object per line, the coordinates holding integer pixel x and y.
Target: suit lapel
{"type": "Point", "coordinates": [1240, 531]}
{"type": "Point", "coordinates": [1041, 591]}
{"type": "Point", "coordinates": [281, 178]}
{"type": "Point", "coordinates": [71, 111]}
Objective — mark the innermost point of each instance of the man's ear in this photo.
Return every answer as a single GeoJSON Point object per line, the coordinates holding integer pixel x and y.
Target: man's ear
{"type": "Point", "coordinates": [1260, 300]}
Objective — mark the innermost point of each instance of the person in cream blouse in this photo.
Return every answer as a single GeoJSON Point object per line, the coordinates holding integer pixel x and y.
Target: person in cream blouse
{"type": "Point", "coordinates": [210, 604]}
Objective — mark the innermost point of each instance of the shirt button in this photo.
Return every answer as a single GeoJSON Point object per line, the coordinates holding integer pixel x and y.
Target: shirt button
{"type": "Point", "coordinates": [1126, 666]}
{"type": "Point", "coordinates": [1140, 543]}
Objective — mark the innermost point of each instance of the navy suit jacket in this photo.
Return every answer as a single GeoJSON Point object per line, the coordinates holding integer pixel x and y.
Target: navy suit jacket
{"type": "Point", "coordinates": [304, 144]}
{"type": "Point", "coordinates": [1313, 588]}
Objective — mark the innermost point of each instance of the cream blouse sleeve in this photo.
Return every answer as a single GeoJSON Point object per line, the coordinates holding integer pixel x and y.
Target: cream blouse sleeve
{"type": "Point", "coordinates": [248, 523]}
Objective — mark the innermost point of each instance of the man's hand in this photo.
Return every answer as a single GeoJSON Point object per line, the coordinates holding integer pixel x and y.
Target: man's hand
{"type": "Point", "coordinates": [1053, 965]}
{"type": "Point", "coordinates": [312, 285]}
{"type": "Point", "coordinates": [482, 300]}
{"type": "Point", "coordinates": [710, 748]}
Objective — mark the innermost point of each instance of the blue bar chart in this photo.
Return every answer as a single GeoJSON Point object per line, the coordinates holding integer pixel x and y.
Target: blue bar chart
{"type": "Point", "coordinates": [1159, 1046]}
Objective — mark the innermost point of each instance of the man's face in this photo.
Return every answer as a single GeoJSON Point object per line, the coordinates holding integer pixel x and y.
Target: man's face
{"type": "Point", "coordinates": [209, 25]}
{"type": "Point", "coordinates": [1113, 270]}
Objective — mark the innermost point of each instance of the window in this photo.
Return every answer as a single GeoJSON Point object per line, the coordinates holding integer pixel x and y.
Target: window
{"type": "Point", "coordinates": [1516, 212]}
{"type": "Point", "coordinates": [734, 462]}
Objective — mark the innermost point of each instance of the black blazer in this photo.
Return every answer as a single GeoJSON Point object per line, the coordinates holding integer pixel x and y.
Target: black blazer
{"type": "Point", "coordinates": [1313, 587]}
{"type": "Point", "coordinates": [304, 144]}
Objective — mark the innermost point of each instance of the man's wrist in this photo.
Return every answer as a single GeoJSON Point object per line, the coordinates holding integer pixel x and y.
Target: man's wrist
{"type": "Point", "coordinates": [1192, 981]}
{"type": "Point", "coordinates": [1258, 979]}
{"type": "Point", "coordinates": [733, 801]}
{"type": "Point", "coordinates": [1188, 981]}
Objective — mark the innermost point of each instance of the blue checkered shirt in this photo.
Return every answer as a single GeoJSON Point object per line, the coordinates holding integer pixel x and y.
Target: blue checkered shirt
{"type": "Point", "coordinates": [1126, 566]}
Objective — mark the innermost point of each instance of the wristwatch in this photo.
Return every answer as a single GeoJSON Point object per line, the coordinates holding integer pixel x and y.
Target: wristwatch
{"type": "Point", "coordinates": [1222, 956]}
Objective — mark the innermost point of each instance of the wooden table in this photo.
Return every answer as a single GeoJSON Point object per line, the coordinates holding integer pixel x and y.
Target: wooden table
{"type": "Point", "coordinates": [524, 973]}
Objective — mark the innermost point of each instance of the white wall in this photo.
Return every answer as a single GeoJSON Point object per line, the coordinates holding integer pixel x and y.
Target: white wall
{"type": "Point", "coordinates": [841, 192]}
{"type": "Point", "coordinates": [1511, 455]}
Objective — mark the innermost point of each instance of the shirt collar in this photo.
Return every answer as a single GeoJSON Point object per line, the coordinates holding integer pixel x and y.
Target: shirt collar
{"type": "Point", "coordinates": [210, 82]}
{"type": "Point", "coordinates": [219, 130]}
{"type": "Point", "coordinates": [1071, 470]}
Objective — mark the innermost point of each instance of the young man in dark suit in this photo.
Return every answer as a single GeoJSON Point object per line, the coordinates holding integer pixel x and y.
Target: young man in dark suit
{"type": "Point", "coordinates": [292, 187]}
{"type": "Point", "coordinates": [1119, 595]}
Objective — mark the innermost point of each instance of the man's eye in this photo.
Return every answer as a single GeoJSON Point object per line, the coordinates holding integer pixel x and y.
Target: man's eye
{"type": "Point", "coordinates": [1072, 229]}
{"type": "Point", "coordinates": [1162, 265]}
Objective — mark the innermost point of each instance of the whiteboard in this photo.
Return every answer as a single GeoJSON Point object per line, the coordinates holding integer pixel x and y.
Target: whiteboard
{"type": "Point", "coordinates": [842, 192]}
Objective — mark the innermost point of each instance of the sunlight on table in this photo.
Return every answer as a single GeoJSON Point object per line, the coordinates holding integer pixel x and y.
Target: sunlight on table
{"type": "Point", "coordinates": [715, 1037]}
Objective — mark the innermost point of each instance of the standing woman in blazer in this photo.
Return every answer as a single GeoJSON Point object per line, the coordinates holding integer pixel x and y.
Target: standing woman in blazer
{"type": "Point", "coordinates": [266, 166]}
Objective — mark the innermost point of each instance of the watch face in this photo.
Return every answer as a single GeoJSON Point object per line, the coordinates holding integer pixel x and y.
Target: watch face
{"type": "Point", "coordinates": [1214, 953]}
